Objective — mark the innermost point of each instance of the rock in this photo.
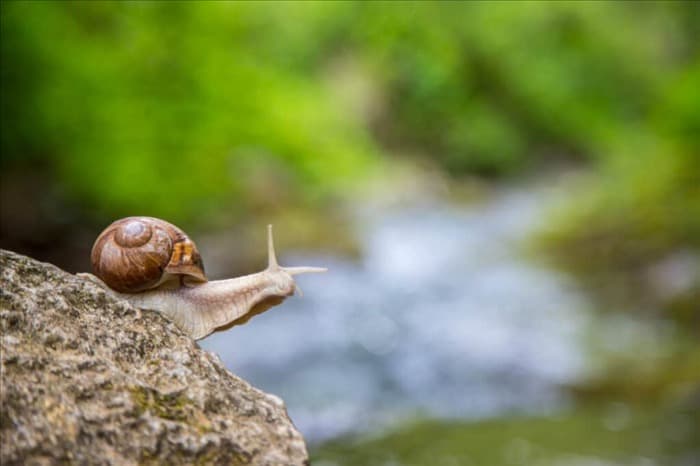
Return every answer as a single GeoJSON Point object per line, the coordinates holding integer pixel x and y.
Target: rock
{"type": "Point", "coordinates": [88, 379]}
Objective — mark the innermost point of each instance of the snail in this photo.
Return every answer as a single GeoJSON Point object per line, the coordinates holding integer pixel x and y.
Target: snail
{"type": "Point", "coordinates": [155, 265]}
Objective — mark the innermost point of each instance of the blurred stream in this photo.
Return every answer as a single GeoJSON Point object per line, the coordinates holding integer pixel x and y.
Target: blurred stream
{"type": "Point", "coordinates": [442, 317]}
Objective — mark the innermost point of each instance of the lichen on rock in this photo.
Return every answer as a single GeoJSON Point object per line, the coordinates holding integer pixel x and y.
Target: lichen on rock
{"type": "Point", "coordinates": [88, 379]}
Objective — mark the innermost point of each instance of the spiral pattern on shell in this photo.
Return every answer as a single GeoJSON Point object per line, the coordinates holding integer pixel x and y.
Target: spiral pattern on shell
{"type": "Point", "coordinates": [139, 253]}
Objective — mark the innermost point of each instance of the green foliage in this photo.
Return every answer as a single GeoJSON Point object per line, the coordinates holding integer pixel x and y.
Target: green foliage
{"type": "Point", "coordinates": [613, 434]}
{"type": "Point", "coordinates": [166, 107]}
{"type": "Point", "coordinates": [489, 88]}
{"type": "Point", "coordinates": [162, 101]}
{"type": "Point", "coordinates": [643, 208]}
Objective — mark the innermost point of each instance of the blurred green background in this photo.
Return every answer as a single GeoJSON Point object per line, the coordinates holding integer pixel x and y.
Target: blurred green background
{"type": "Point", "coordinates": [215, 115]}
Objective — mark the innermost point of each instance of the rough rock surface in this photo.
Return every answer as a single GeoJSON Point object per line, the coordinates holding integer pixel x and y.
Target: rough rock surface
{"type": "Point", "coordinates": [88, 379]}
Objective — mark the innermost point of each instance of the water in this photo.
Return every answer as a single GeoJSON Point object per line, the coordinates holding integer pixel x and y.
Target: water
{"type": "Point", "coordinates": [441, 317]}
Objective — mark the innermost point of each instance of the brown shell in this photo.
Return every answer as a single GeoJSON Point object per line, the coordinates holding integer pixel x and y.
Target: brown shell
{"type": "Point", "coordinates": [138, 253]}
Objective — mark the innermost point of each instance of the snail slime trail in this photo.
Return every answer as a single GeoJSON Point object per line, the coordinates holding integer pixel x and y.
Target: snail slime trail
{"type": "Point", "coordinates": [154, 265]}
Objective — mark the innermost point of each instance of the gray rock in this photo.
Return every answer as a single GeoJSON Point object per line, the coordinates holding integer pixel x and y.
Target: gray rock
{"type": "Point", "coordinates": [88, 379]}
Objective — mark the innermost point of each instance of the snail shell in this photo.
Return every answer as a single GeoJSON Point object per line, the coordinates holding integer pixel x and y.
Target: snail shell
{"type": "Point", "coordinates": [140, 253]}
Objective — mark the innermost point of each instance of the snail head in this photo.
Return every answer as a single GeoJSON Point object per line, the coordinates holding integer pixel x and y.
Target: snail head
{"type": "Point", "coordinates": [274, 267]}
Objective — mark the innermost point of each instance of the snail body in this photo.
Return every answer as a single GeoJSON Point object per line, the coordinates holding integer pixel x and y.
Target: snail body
{"type": "Point", "coordinates": [154, 265]}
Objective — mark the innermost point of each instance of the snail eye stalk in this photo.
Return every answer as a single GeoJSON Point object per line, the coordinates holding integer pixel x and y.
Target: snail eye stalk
{"type": "Point", "coordinates": [273, 265]}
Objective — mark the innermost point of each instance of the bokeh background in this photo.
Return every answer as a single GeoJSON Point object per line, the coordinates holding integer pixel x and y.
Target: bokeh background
{"type": "Point", "coordinates": [507, 195]}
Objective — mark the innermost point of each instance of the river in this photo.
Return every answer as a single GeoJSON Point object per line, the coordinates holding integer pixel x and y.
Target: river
{"type": "Point", "coordinates": [443, 316]}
